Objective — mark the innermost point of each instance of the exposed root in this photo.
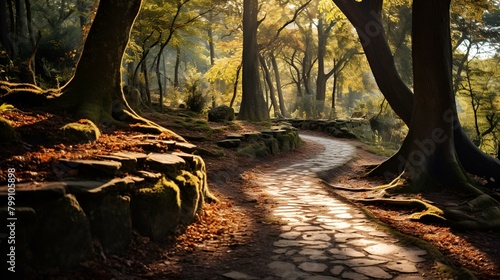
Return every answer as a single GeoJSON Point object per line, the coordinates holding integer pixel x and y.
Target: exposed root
{"type": "Point", "coordinates": [143, 125]}
{"type": "Point", "coordinates": [398, 185]}
{"type": "Point", "coordinates": [428, 210]}
{"type": "Point", "coordinates": [18, 91]}
{"type": "Point", "coordinates": [347, 188]}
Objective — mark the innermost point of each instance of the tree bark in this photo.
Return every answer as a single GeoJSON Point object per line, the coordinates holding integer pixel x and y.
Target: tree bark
{"type": "Point", "coordinates": [322, 78]}
{"type": "Point", "coordinates": [272, 92]}
{"type": "Point", "coordinates": [211, 44]}
{"type": "Point", "coordinates": [366, 18]}
{"type": "Point", "coordinates": [277, 77]}
{"type": "Point", "coordinates": [253, 106]}
{"type": "Point", "coordinates": [97, 79]}
{"type": "Point", "coordinates": [432, 158]}
{"type": "Point", "coordinates": [176, 67]}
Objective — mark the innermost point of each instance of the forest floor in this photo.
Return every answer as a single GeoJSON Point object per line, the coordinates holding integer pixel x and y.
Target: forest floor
{"type": "Point", "coordinates": [235, 233]}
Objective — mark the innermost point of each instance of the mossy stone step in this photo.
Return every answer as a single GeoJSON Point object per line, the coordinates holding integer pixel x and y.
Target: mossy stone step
{"type": "Point", "coordinates": [139, 157]}
{"type": "Point", "coordinates": [252, 136]}
{"type": "Point", "coordinates": [149, 176]}
{"type": "Point", "coordinates": [185, 147]}
{"type": "Point", "coordinates": [229, 143]}
{"type": "Point", "coordinates": [128, 164]}
{"type": "Point", "coordinates": [88, 167]}
{"type": "Point", "coordinates": [84, 187]}
{"type": "Point", "coordinates": [31, 194]}
{"type": "Point", "coordinates": [151, 145]}
{"type": "Point", "coordinates": [165, 163]}
{"type": "Point", "coordinates": [235, 136]}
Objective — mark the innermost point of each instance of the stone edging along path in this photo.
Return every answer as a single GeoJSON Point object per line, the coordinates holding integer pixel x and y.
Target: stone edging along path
{"type": "Point", "coordinates": [324, 238]}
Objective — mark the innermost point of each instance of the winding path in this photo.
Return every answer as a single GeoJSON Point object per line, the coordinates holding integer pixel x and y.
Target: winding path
{"type": "Point", "coordinates": [324, 238]}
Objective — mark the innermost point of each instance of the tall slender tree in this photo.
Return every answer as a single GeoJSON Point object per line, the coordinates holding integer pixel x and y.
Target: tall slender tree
{"type": "Point", "coordinates": [253, 106]}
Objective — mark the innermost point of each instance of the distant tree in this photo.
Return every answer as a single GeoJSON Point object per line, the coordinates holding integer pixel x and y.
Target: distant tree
{"type": "Point", "coordinates": [253, 106]}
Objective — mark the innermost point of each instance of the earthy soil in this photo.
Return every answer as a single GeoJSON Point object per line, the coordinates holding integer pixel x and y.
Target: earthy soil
{"type": "Point", "coordinates": [231, 235]}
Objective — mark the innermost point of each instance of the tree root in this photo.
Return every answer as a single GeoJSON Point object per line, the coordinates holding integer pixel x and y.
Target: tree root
{"type": "Point", "coordinates": [428, 210]}
{"type": "Point", "coordinates": [140, 124]}
{"type": "Point", "coordinates": [22, 92]}
{"type": "Point", "coordinates": [347, 189]}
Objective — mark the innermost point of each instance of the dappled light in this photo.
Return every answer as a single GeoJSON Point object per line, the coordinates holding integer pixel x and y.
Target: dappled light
{"type": "Point", "coordinates": [252, 139]}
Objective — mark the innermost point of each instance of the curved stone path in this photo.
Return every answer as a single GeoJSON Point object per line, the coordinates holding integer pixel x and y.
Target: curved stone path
{"type": "Point", "coordinates": [324, 238]}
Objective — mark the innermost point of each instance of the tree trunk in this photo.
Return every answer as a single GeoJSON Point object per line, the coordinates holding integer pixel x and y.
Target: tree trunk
{"type": "Point", "coordinates": [307, 65]}
{"type": "Point", "coordinates": [432, 159]}
{"type": "Point", "coordinates": [146, 81]}
{"type": "Point", "coordinates": [321, 79]}
{"type": "Point", "coordinates": [334, 91]}
{"type": "Point", "coordinates": [366, 18]}
{"type": "Point", "coordinates": [158, 73]}
{"type": "Point", "coordinates": [272, 92]}
{"type": "Point", "coordinates": [211, 44]}
{"type": "Point", "coordinates": [97, 79]}
{"type": "Point", "coordinates": [177, 65]}
{"type": "Point", "coordinates": [281, 99]}
{"type": "Point", "coordinates": [253, 106]}
{"type": "Point", "coordinates": [4, 38]}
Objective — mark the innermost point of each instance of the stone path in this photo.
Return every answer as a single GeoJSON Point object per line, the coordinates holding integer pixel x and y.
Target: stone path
{"type": "Point", "coordinates": [323, 238]}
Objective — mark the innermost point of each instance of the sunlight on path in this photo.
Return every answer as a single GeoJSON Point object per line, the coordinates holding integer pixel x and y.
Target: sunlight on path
{"type": "Point", "coordinates": [324, 238]}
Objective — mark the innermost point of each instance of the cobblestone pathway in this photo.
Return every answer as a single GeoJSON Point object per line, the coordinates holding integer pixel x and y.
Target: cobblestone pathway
{"type": "Point", "coordinates": [324, 238]}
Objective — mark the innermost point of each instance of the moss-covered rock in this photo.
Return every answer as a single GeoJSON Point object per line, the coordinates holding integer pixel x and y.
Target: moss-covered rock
{"type": "Point", "coordinates": [7, 132]}
{"type": "Point", "coordinates": [110, 221]}
{"type": "Point", "coordinates": [165, 163]}
{"type": "Point", "coordinates": [221, 114]}
{"type": "Point", "coordinates": [62, 237]}
{"type": "Point", "coordinates": [191, 195]}
{"type": "Point", "coordinates": [257, 149]}
{"type": "Point", "coordinates": [273, 146]}
{"type": "Point", "coordinates": [82, 131]}
{"type": "Point", "coordinates": [156, 210]}
{"type": "Point", "coordinates": [285, 142]}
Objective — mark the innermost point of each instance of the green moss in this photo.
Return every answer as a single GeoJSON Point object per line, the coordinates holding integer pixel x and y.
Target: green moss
{"type": "Point", "coordinates": [156, 210]}
{"type": "Point", "coordinates": [233, 126]}
{"type": "Point", "coordinates": [379, 150]}
{"type": "Point", "coordinates": [257, 149]}
{"type": "Point", "coordinates": [164, 188]}
{"type": "Point", "coordinates": [273, 145]}
{"type": "Point", "coordinates": [63, 236]}
{"type": "Point", "coordinates": [201, 122]}
{"type": "Point", "coordinates": [191, 195]}
{"type": "Point", "coordinates": [6, 107]}
{"type": "Point", "coordinates": [82, 131]}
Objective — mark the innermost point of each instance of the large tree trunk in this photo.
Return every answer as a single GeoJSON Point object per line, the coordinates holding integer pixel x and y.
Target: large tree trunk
{"type": "Point", "coordinates": [253, 106]}
{"type": "Point", "coordinates": [97, 80]}
{"type": "Point", "coordinates": [432, 159]}
{"type": "Point", "coordinates": [366, 18]}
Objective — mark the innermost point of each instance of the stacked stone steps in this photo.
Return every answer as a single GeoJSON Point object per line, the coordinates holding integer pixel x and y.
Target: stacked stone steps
{"type": "Point", "coordinates": [102, 200]}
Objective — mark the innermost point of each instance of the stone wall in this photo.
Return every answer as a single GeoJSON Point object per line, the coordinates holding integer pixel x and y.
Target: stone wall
{"type": "Point", "coordinates": [98, 202]}
{"type": "Point", "coordinates": [279, 138]}
{"type": "Point", "coordinates": [353, 128]}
